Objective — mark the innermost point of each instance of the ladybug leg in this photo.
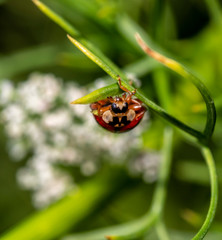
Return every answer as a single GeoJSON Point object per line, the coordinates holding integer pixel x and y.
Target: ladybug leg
{"type": "Point", "coordinates": [127, 98]}
{"type": "Point", "coordinates": [99, 106]}
{"type": "Point", "coordinates": [105, 101]}
{"type": "Point", "coordinates": [95, 106]}
{"type": "Point", "coordinates": [140, 114]}
{"type": "Point", "coordinates": [103, 109]}
{"type": "Point", "coordinates": [110, 99]}
{"type": "Point", "coordinates": [124, 96]}
{"type": "Point", "coordinates": [125, 89]}
{"type": "Point", "coordinates": [100, 109]}
{"type": "Point", "coordinates": [135, 107]}
{"type": "Point", "coordinates": [136, 101]}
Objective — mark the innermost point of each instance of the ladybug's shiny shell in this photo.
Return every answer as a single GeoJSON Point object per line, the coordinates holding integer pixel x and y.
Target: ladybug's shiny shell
{"type": "Point", "coordinates": [119, 125]}
{"type": "Point", "coordinates": [119, 114]}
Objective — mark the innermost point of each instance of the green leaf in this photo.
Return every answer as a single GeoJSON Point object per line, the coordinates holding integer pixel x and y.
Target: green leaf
{"type": "Point", "coordinates": [56, 220]}
{"type": "Point", "coordinates": [99, 94]}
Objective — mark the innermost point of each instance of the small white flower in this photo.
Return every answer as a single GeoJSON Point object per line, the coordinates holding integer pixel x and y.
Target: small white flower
{"type": "Point", "coordinates": [147, 165]}
{"type": "Point", "coordinates": [13, 112]}
{"type": "Point", "coordinates": [6, 91]}
{"type": "Point", "coordinates": [34, 133]}
{"type": "Point", "coordinates": [60, 119]}
{"type": "Point", "coordinates": [38, 96]}
{"type": "Point", "coordinates": [88, 168]}
{"type": "Point", "coordinates": [17, 150]}
{"type": "Point", "coordinates": [14, 130]}
{"type": "Point", "coordinates": [72, 92]}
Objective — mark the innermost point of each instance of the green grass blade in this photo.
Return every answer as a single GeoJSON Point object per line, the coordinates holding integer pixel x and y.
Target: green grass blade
{"type": "Point", "coordinates": [56, 18]}
{"type": "Point", "coordinates": [184, 72]}
{"type": "Point", "coordinates": [27, 60]}
{"type": "Point", "coordinates": [214, 193]}
{"type": "Point", "coordinates": [215, 11]}
{"type": "Point", "coordinates": [96, 56]}
{"type": "Point", "coordinates": [53, 222]}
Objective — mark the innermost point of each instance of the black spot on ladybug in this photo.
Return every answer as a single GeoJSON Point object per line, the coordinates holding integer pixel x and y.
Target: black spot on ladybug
{"type": "Point", "coordinates": [124, 120]}
{"type": "Point", "coordinates": [119, 121]}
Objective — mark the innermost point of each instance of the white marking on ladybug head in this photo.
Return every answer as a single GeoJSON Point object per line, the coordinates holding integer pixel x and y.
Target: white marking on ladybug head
{"type": "Point", "coordinates": [120, 105]}
{"type": "Point", "coordinates": [107, 116]}
{"type": "Point", "coordinates": [131, 115]}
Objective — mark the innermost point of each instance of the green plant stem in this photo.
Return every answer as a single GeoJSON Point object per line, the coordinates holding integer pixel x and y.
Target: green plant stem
{"type": "Point", "coordinates": [57, 19]}
{"type": "Point", "coordinates": [202, 108]}
{"type": "Point", "coordinates": [161, 231]}
{"type": "Point", "coordinates": [135, 229]}
{"type": "Point", "coordinates": [96, 56]}
{"type": "Point", "coordinates": [184, 72]}
{"type": "Point", "coordinates": [56, 220]}
{"type": "Point", "coordinates": [160, 192]}
{"type": "Point", "coordinates": [215, 11]}
{"type": "Point", "coordinates": [214, 193]}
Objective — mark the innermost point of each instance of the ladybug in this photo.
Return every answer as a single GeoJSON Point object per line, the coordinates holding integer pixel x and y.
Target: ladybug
{"type": "Point", "coordinates": [119, 114]}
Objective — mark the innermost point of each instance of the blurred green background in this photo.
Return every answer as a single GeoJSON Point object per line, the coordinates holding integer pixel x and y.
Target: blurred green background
{"type": "Point", "coordinates": [191, 30]}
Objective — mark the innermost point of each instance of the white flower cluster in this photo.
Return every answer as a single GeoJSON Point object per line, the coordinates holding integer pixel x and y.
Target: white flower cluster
{"type": "Point", "coordinates": [146, 165]}
{"type": "Point", "coordinates": [51, 134]}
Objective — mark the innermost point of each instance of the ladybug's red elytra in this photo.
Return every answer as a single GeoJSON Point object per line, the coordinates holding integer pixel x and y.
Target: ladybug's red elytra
{"type": "Point", "coordinates": [119, 114]}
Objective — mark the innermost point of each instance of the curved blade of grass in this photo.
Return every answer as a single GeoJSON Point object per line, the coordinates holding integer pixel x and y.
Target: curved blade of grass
{"type": "Point", "coordinates": [214, 193]}
{"type": "Point", "coordinates": [56, 18]}
{"type": "Point", "coordinates": [214, 9]}
{"type": "Point", "coordinates": [56, 220]}
{"type": "Point", "coordinates": [137, 228]}
{"type": "Point", "coordinates": [162, 231]}
{"type": "Point", "coordinates": [184, 72]}
{"type": "Point", "coordinates": [201, 106]}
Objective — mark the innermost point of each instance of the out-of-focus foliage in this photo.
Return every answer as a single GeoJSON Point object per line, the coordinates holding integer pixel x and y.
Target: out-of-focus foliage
{"type": "Point", "coordinates": [190, 30]}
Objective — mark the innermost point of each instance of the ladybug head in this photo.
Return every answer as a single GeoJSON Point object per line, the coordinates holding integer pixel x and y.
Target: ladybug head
{"type": "Point", "coordinates": [119, 106]}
